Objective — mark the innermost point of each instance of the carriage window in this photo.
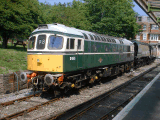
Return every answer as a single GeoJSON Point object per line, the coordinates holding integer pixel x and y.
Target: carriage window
{"type": "Point", "coordinates": [55, 42]}
{"type": "Point", "coordinates": [79, 44]}
{"type": "Point", "coordinates": [31, 42]}
{"type": "Point", "coordinates": [41, 41]}
{"type": "Point", "coordinates": [85, 36]}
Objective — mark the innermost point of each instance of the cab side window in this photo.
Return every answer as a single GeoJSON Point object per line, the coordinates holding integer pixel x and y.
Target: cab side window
{"type": "Point", "coordinates": [31, 42]}
{"type": "Point", "coordinates": [67, 47]}
{"type": "Point", "coordinates": [79, 44]}
{"type": "Point", "coordinates": [70, 43]}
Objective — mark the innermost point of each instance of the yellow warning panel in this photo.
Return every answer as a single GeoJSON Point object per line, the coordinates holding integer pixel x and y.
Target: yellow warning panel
{"type": "Point", "coordinates": [46, 63]}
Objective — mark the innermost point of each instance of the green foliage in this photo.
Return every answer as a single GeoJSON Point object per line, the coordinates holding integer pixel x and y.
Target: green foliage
{"type": "Point", "coordinates": [46, 12]}
{"type": "Point", "coordinates": [113, 17]}
{"type": "Point", "coordinates": [12, 59]}
{"type": "Point", "coordinates": [73, 14]}
{"type": "Point", "coordinates": [19, 18]}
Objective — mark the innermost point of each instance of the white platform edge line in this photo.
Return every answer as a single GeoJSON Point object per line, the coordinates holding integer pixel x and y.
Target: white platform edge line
{"type": "Point", "coordinates": [131, 104]}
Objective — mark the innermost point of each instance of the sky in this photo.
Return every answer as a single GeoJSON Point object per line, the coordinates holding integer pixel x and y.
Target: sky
{"type": "Point", "coordinates": [136, 8]}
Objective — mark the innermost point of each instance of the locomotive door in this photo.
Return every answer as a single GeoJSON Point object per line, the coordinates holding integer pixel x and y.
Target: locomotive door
{"type": "Point", "coordinates": [80, 53]}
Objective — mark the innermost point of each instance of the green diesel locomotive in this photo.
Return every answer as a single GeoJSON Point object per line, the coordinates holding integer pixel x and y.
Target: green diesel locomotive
{"type": "Point", "coordinates": [65, 57]}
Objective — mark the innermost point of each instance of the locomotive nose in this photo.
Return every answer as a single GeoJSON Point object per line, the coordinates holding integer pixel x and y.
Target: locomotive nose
{"type": "Point", "coordinates": [48, 79]}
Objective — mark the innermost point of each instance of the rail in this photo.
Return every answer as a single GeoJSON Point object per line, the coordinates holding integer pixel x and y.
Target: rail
{"type": "Point", "coordinates": [94, 105]}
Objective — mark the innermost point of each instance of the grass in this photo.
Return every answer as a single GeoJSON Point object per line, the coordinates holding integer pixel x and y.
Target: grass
{"type": "Point", "coordinates": [12, 59]}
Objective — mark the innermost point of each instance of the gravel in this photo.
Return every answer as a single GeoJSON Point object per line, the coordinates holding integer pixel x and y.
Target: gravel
{"type": "Point", "coordinates": [20, 106]}
{"type": "Point", "coordinates": [16, 95]}
{"type": "Point", "coordinates": [83, 96]}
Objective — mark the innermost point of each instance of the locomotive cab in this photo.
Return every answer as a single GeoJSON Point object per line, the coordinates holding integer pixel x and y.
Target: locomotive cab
{"type": "Point", "coordinates": [46, 51]}
{"type": "Point", "coordinates": [40, 57]}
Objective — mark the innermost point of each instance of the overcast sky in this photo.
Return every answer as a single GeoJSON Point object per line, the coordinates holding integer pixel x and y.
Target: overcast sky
{"type": "Point", "coordinates": [136, 8]}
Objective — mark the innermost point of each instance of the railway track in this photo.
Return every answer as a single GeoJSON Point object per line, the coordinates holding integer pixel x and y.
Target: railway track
{"type": "Point", "coordinates": [19, 100]}
{"type": "Point", "coordinates": [16, 112]}
{"type": "Point", "coordinates": [20, 113]}
{"type": "Point", "coordinates": [110, 103]}
{"type": "Point", "coordinates": [41, 104]}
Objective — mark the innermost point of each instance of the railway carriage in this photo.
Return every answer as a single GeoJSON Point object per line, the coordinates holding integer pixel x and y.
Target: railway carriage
{"type": "Point", "coordinates": [66, 57]}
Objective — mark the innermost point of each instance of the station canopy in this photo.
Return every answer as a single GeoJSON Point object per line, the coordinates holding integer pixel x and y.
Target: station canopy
{"type": "Point", "coordinates": [152, 8]}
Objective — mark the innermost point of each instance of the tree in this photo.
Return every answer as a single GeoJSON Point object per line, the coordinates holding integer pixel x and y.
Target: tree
{"type": "Point", "coordinates": [19, 18]}
{"type": "Point", "coordinates": [46, 9]}
{"type": "Point", "coordinates": [71, 14]}
{"type": "Point", "coordinates": [113, 17]}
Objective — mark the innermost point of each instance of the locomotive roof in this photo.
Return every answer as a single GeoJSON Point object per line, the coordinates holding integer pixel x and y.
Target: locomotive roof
{"type": "Point", "coordinates": [70, 31]}
{"type": "Point", "coordinates": [58, 29]}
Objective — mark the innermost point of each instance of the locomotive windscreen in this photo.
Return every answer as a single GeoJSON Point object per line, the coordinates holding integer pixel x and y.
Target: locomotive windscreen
{"type": "Point", "coordinates": [31, 42]}
{"type": "Point", "coordinates": [41, 41]}
{"type": "Point", "coordinates": [55, 42]}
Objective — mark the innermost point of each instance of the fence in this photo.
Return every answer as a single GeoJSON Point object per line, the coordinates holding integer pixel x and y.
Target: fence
{"type": "Point", "coordinates": [11, 83]}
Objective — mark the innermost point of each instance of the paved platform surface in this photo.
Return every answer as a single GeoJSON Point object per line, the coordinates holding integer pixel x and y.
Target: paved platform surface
{"type": "Point", "coordinates": [145, 106]}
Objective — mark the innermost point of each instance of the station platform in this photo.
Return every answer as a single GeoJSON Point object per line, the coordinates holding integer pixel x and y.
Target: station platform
{"type": "Point", "coordinates": [145, 106]}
